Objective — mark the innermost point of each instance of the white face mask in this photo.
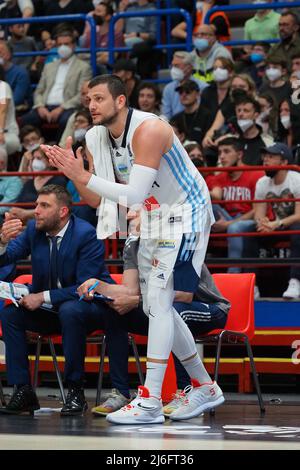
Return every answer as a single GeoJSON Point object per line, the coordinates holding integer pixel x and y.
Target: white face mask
{"type": "Point", "coordinates": [31, 147]}
{"type": "Point", "coordinates": [1, 61]}
{"type": "Point", "coordinates": [64, 51]}
{"type": "Point", "coordinates": [96, 3]}
{"type": "Point", "coordinates": [297, 74]}
{"type": "Point", "coordinates": [79, 134]}
{"type": "Point", "coordinates": [286, 121]}
{"type": "Point", "coordinates": [199, 6]}
{"type": "Point", "coordinates": [220, 75]}
{"type": "Point", "coordinates": [245, 124]}
{"type": "Point", "coordinates": [176, 74]}
{"type": "Point", "coordinates": [38, 165]}
{"type": "Point", "coordinates": [273, 74]}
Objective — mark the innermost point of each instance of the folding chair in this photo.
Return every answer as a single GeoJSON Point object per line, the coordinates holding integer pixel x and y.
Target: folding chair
{"type": "Point", "coordinates": [239, 328]}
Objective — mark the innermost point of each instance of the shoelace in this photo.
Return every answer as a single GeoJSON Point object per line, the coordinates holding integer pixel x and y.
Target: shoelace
{"type": "Point", "coordinates": [18, 399]}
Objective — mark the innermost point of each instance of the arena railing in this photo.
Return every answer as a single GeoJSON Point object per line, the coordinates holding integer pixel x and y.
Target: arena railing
{"type": "Point", "coordinates": [245, 7]}
{"type": "Point", "coordinates": [213, 262]}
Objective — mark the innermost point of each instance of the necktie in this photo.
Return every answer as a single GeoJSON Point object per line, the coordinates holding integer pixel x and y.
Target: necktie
{"type": "Point", "coordinates": [53, 264]}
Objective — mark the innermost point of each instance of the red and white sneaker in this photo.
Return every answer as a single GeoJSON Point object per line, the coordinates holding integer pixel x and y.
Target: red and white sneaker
{"type": "Point", "coordinates": [144, 409]}
{"type": "Point", "coordinates": [200, 398]}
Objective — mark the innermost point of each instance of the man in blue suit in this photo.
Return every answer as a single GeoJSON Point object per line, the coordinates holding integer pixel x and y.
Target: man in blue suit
{"type": "Point", "coordinates": [64, 253]}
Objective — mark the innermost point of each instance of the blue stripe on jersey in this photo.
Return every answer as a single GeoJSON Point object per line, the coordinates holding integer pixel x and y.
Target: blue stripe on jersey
{"type": "Point", "coordinates": [190, 243]}
{"type": "Point", "coordinates": [193, 193]}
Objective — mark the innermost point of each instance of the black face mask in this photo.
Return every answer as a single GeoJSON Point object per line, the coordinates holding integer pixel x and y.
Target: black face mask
{"type": "Point", "coordinates": [237, 94]}
{"type": "Point", "coordinates": [98, 20]}
{"type": "Point", "coordinates": [198, 162]}
{"type": "Point", "coordinates": [271, 173]}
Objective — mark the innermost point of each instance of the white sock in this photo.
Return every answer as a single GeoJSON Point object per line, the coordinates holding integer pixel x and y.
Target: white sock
{"type": "Point", "coordinates": [196, 370]}
{"type": "Point", "coordinates": [154, 378]}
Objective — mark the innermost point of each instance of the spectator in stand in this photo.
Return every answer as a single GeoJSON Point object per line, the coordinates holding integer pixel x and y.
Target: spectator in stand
{"type": "Point", "coordinates": [257, 68]}
{"type": "Point", "coordinates": [263, 25]}
{"type": "Point", "coordinates": [149, 98]}
{"type": "Point", "coordinates": [216, 94]}
{"type": "Point", "coordinates": [289, 35]}
{"type": "Point", "coordinates": [126, 70]}
{"type": "Point", "coordinates": [31, 138]}
{"type": "Point", "coordinates": [102, 14]}
{"type": "Point", "coordinates": [140, 35]}
{"type": "Point", "coordinates": [179, 130]}
{"type": "Point", "coordinates": [9, 130]}
{"type": "Point", "coordinates": [239, 186]}
{"type": "Point", "coordinates": [10, 186]}
{"type": "Point", "coordinates": [20, 42]}
{"type": "Point", "coordinates": [289, 123]}
{"type": "Point", "coordinates": [241, 84]}
{"type": "Point", "coordinates": [84, 104]}
{"type": "Point", "coordinates": [194, 151]}
{"type": "Point", "coordinates": [218, 19]}
{"type": "Point", "coordinates": [15, 9]}
{"type": "Point", "coordinates": [296, 64]}
{"type": "Point", "coordinates": [195, 118]}
{"type": "Point", "coordinates": [279, 184]}
{"type": "Point", "coordinates": [67, 7]}
{"type": "Point", "coordinates": [247, 111]}
{"type": "Point", "coordinates": [207, 50]}
{"type": "Point", "coordinates": [58, 91]}
{"type": "Point", "coordinates": [31, 187]}
{"type": "Point", "coordinates": [181, 70]}
{"type": "Point", "coordinates": [268, 116]}
{"type": "Point", "coordinates": [280, 88]}
{"type": "Point", "coordinates": [16, 76]}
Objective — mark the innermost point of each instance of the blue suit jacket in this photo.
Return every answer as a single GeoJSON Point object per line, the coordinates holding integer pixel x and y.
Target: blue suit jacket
{"type": "Point", "coordinates": [80, 256]}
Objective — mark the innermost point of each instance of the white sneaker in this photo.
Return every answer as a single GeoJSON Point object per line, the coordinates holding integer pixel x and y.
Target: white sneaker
{"type": "Point", "coordinates": [178, 399]}
{"type": "Point", "coordinates": [114, 401]}
{"type": "Point", "coordinates": [293, 290]}
{"type": "Point", "coordinates": [256, 293]}
{"type": "Point", "coordinates": [144, 409]}
{"type": "Point", "coordinates": [201, 398]}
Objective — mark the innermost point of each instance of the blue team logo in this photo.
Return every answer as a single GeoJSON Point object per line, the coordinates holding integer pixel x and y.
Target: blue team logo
{"type": "Point", "coordinates": [166, 244]}
{"type": "Point", "coordinates": [123, 168]}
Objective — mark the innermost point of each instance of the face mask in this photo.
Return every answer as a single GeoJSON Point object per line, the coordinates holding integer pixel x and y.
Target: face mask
{"type": "Point", "coordinates": [98, 20]}
{"type": "Point", "coordinates": [220, 75]}
{"type": "Point", "coordinates": [129, 42]}
{"type": "Point", "coordinates": [273, 74]}
{"type": "Point", "coordinates": [297, 74]}
{"type": "Point", "coordinates": [201, 44]}
{"type": "Point", "coordinates": [256, 57]}
{"type": "Point", "coordinates": [1, 61]}
{"type": "Point", "coordinates": [96, 3]}
{"type": "Point", "coordinates": [38, 165]}
{"type": "Point", "coordinates": [245, 124]}
{"type": "Point", "coordinates": [64, 52]}
{"type": "Point", "coordinates": [238, 93]}
{"type": "Point", "coordinates": [79, 134]}
{"type": "Point", "coordinates": [286, 121]}
{"type": "Point", "coordinates": [199, 6]}
{"type": "Point", "coordinates": [271, 173]}
{"type": "Point", "coordinates": [176, 74]}
{"type": "Point", "coordinates": [31, 147]}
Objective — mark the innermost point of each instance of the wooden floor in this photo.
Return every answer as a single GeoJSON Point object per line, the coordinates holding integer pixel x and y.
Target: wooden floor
{"type": "Point", "coordinates": [236, 425]}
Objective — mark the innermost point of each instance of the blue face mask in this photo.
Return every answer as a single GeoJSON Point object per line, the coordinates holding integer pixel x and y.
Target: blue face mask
{"type": "Point", "coordinates": [201, 44]}
{"type": "Point", "coordinates": [255, 57]}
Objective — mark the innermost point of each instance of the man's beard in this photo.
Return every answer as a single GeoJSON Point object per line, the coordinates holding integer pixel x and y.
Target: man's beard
{"type": "Point", "coordinates": [49, 225]}
{"type": "Point", "coordinates": [108, 120]}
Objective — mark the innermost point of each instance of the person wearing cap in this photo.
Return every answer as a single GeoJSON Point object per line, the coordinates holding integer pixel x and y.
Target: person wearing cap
{"type": "Point", "coordinates": [126, 70]}
{"type": "Point", "coordinates": [285, 215]}
{"type": "Point", "coordinates": [195, 118]}
{"type": "Point", "coordinates": [181, 70]}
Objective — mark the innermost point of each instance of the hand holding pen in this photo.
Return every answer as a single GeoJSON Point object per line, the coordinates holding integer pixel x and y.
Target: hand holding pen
{"type": "Point", "coordinates": [89, 291]}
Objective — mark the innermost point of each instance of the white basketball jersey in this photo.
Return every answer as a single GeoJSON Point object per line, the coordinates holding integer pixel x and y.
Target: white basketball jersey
{"type": "Point", "coordinates": [179, 201]}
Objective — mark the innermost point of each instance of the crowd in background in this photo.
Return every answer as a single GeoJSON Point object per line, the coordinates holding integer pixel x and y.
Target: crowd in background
{"type": "Point", "coordinates": [230, 107]}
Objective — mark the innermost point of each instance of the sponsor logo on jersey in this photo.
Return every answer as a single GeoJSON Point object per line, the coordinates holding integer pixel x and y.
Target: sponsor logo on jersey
{"type": "Point", "coordinates": [123, 168]}
{"type": "Point", "coordinates": [150, 204]}
{"type": "Point", "coordinates": [161, 276]}
{"type": "Point", "coordinates": [166, 244]}
{"type": "Point", "coordinates": [175, 219]}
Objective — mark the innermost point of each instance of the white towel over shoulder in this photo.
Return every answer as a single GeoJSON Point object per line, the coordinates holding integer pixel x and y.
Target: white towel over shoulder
{"type": "Point", "coordinates": [97, 144]}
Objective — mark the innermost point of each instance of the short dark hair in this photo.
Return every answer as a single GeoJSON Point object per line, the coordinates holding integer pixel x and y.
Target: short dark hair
{"type": "Point", "coordinates": [85, 113]}
{"type": "Point", "coordinates": [64, 29]}
{"type": "Point", "coordinates": [61, 193]}
{"type": "Point", "coordinates": [153, 87]}
{"type": "Point", "coordinates": [115, 85]}
{"type": "Point", "coordinates": [277, 61]}
{"type": "Point", "coordinates": [248, 99]}
{"type": "Point", "coordinates": [25, 130]}
{"type": "Point", "coordinates": [234, 142]}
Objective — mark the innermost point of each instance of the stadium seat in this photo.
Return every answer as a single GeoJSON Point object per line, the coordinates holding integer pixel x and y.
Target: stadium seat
{"type": "Point", "coordinates": [239, 328]}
